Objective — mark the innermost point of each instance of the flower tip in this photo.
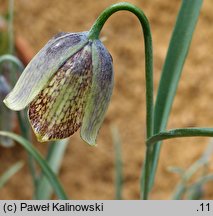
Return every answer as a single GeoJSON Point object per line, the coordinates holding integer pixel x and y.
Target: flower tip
{"type": "Point", "coordinates": [5, 101]}
{"type": "Point", "coordinates": [12, 105]}
{"type": "Point", "coordinates": [41, 138]}
{"type": "Point", "coordinates": [89, 140]}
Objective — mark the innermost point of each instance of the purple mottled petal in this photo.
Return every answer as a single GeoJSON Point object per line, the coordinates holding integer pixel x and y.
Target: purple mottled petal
{"type": "Point", "coordinates": [102, 86]}
{"type": "Point", "coordinates": [43, 66]}
{"type": "Point", "coordinates": [58, 110]}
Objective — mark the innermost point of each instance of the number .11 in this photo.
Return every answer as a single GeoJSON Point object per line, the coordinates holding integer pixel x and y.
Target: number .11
{"type": "Point", "coordinates": [205, 207]}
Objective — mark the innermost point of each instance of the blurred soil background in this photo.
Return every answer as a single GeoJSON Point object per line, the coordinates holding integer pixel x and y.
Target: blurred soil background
{"type": "Point", "coordinates": [88, 172]}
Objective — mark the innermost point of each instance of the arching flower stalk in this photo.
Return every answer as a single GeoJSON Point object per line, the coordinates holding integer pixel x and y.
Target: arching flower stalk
{"type": "Point", "coordinates": [67, 85]}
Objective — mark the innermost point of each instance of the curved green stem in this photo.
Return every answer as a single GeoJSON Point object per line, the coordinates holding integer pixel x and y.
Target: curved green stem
{"type": "Point", "coordinates": [94, 34]}
{"type": "Point", "coordinates": [12, 59]}
{"type": "Point", "coordinates": [180, 132]}
{"type": "Point", "coordinates": [44, 166]}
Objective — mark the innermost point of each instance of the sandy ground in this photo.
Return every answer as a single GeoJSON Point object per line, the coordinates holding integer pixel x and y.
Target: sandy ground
{"type": "Point", "coordinates": [88, 173]}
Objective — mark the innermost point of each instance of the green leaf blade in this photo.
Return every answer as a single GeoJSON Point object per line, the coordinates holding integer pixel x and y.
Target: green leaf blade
{"type": "Point", "coordinates": [43, 164]}
{"type": "Point", "coordinates": [118, 163]}
{"type": "Point", "coordinates": [175, 59]}
{"type": "Point", "coordinates": [54, 159]}
{"type": "Point", "coordinates": [9, 173]}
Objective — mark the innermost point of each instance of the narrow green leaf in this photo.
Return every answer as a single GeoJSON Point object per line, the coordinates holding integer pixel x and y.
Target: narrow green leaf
{"type": "Point", "coordinates": [196, 193]}
{"type": "Point", "coordinates": [14, 63]}
{"type": "Point", "coordinates": [43, 164]}
{"type": "Point", "coordinates": [12, 59]}
{"type": "Point", "coordinates": [203, 180]}
{"type": "Point", "coordinates": [176, 170]}
{"type": "Point", "coordinates": [9, 173]}
{"type": "Point", "coordinates": [181, 188]}
{"type": "Point", "coordinates": [179, 132]}
{"type": "Point", "coordinates": [54, 159]}
{"type": "Point", "coordinates": [185, 132]}
{"type": "Point", "coordinates": [10, 25]}
{"type": "Point", "coordinates": [118, 164]}
{"type": "Point", "coordinates": [176, 55]}
{"type": "Point", "coordinates": [196, 190]}
{"type": "Point", "coordinates": [6, 115]}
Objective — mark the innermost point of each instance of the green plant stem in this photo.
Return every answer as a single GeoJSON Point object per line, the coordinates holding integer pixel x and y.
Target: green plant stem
{"type": "Point", "coordinates": [180, 132]}
{"type": "Point", "coordinates": [44, 166]}
{"type": "Point", "coordinates": [94, 34]}
{"type": "Point", "coordinates": [10, 26]}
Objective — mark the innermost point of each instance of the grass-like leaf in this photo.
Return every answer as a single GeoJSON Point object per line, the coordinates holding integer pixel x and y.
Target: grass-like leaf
{"type": "Point", "coordinates": [186, 132]}
{"type": "Point", "coordinates": [43, 164]}
{"type": "Point", "coordinates": [180, 132]}
{"type": "Point", "coordinates": [12, 59]}
{"type": "Point", "coordinates": [195, 191]}
{"type": "Point", "coordinates": [54, 159]}
{"type": "Point", "coordinates": [176, 55]}
{"type": "Point", "coordinates": [118, 164]}
{"type": "Point", "coordinates": [9, 173]}
{"type": "Point", "coordinates": [181, 188]}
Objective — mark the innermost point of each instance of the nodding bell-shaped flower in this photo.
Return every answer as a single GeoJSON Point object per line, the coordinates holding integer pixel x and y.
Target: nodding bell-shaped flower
{"type": "Point", "coordinates": [67, 85]}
